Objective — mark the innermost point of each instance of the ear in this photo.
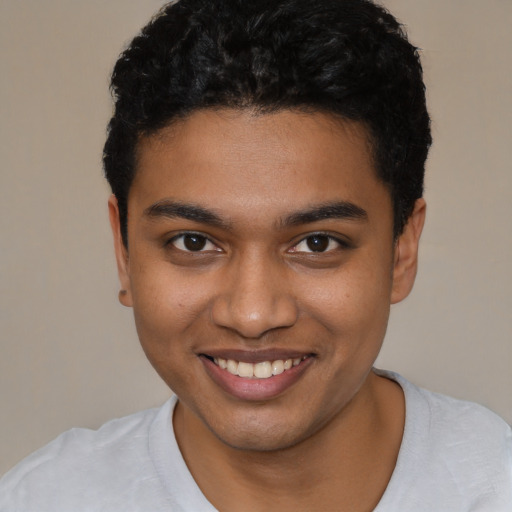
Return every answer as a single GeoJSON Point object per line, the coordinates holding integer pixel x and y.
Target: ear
{"type": "Point", "coordinates": [123, 269]}
{"type": "Point", "coordinates": [406, 253]}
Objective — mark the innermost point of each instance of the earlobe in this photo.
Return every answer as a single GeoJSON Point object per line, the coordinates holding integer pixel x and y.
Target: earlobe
{"type": "Point", "coordinates": [406, 253]}
{"type": "Point", "coordinates": [125, 295]}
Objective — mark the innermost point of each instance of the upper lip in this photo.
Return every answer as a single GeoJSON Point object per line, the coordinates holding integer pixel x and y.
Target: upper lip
{"type": "Point", "coordinates": [256, 356]}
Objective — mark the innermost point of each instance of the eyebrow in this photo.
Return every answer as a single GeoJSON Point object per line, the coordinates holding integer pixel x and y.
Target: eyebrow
{"type": "Point", "coordinates": [170, 209]}
{"type": "Point", "coordinates": [173, 210]}
{"type": "Point", "coordinates": [343, 210]}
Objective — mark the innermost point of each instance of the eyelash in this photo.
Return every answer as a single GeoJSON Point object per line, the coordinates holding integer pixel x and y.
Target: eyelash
{"type": "Point", "coordinates": [181, 237]}
{"type": "Point", "coordinates": [180, 240]}
{"type": "Point", "coordinates": [340, 244]}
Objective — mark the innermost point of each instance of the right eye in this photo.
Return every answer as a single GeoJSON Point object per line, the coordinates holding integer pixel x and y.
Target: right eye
{"type": "Point", "coordinates": [193, 242]}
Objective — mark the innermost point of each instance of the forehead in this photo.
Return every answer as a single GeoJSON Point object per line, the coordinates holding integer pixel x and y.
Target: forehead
{"type": "Point", "coordinates": [240, 160]}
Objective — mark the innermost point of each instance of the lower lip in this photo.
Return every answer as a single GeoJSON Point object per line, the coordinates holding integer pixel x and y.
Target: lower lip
{"type": "Point", "coordinates": [255, 389]}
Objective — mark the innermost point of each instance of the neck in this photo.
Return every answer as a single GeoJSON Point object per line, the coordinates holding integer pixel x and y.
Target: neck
{"type": "Point", "coordinates": [344, 466]}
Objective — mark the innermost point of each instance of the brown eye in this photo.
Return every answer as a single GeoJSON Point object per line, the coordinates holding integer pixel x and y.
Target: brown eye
{"type": "Point", "coordinates": [318, 243]}
{"type": "Point", "coordinates": [193, 242]}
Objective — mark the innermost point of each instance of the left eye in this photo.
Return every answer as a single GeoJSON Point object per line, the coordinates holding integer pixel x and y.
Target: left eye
{"type": "Point", "coordinates": [317, 243]}
{"type": "Point", "coordinates": [193, 242]}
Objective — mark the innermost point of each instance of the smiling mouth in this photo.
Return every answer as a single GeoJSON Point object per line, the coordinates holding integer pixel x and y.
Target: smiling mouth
{"type": "Point", "coordinates": [260, 370]}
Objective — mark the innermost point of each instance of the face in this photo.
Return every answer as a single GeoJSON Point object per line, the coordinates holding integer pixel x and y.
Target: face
{"type": "Point", "coordinates": [261, 268]}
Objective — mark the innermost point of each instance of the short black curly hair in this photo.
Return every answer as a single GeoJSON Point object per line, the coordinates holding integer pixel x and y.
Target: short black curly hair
{"type": "Point", "coordinates": [350, 58]}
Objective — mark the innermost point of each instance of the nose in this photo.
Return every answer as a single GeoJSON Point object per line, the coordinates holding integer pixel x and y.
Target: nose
{"type": "Point", "coordinates": [255, 298]}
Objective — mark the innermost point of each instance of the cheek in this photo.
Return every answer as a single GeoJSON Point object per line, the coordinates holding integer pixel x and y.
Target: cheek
{"type": "Point", "coordinates": [354, 303]}
{"type": "Point", "coordinates": [168, 314]}
{"type": "Point", "coordinates": [167, 305]}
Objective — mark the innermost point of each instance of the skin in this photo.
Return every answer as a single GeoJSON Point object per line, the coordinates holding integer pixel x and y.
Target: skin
{"type": "Point", "coordinates": [329, 439]}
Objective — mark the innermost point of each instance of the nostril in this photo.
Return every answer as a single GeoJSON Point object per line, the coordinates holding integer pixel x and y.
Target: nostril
{"type": "Point", "coordinates": [252, 306]}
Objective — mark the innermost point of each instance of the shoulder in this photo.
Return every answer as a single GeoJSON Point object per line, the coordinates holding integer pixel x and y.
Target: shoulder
{"type": "Point", "coordinates": [103, 460]}
{"type": "Point", "coordinates": [449, 417]}
{"type": "Point", "coordinates": [459, 422]}
{"type": "Point", "coordinates": [453, 451]}
{"type": "Point", "coordinates": [470, 434]}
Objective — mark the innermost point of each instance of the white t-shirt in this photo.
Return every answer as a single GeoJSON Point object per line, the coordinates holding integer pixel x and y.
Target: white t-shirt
{"type": "Point", "coordinates": [455, 456]}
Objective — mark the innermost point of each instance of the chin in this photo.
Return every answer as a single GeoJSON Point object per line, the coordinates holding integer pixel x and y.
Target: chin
{"type": "Point", "coordinates": [259, 433]}
{"type": "Point", "coordinates": [259, 441]}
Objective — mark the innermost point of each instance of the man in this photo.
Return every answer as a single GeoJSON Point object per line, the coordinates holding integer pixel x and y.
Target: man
{"type": "Point", "coordinates": [266, 161]}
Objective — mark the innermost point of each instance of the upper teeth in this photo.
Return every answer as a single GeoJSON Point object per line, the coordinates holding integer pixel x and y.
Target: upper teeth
{"type": "Point", "coordinates": [262, 370]}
